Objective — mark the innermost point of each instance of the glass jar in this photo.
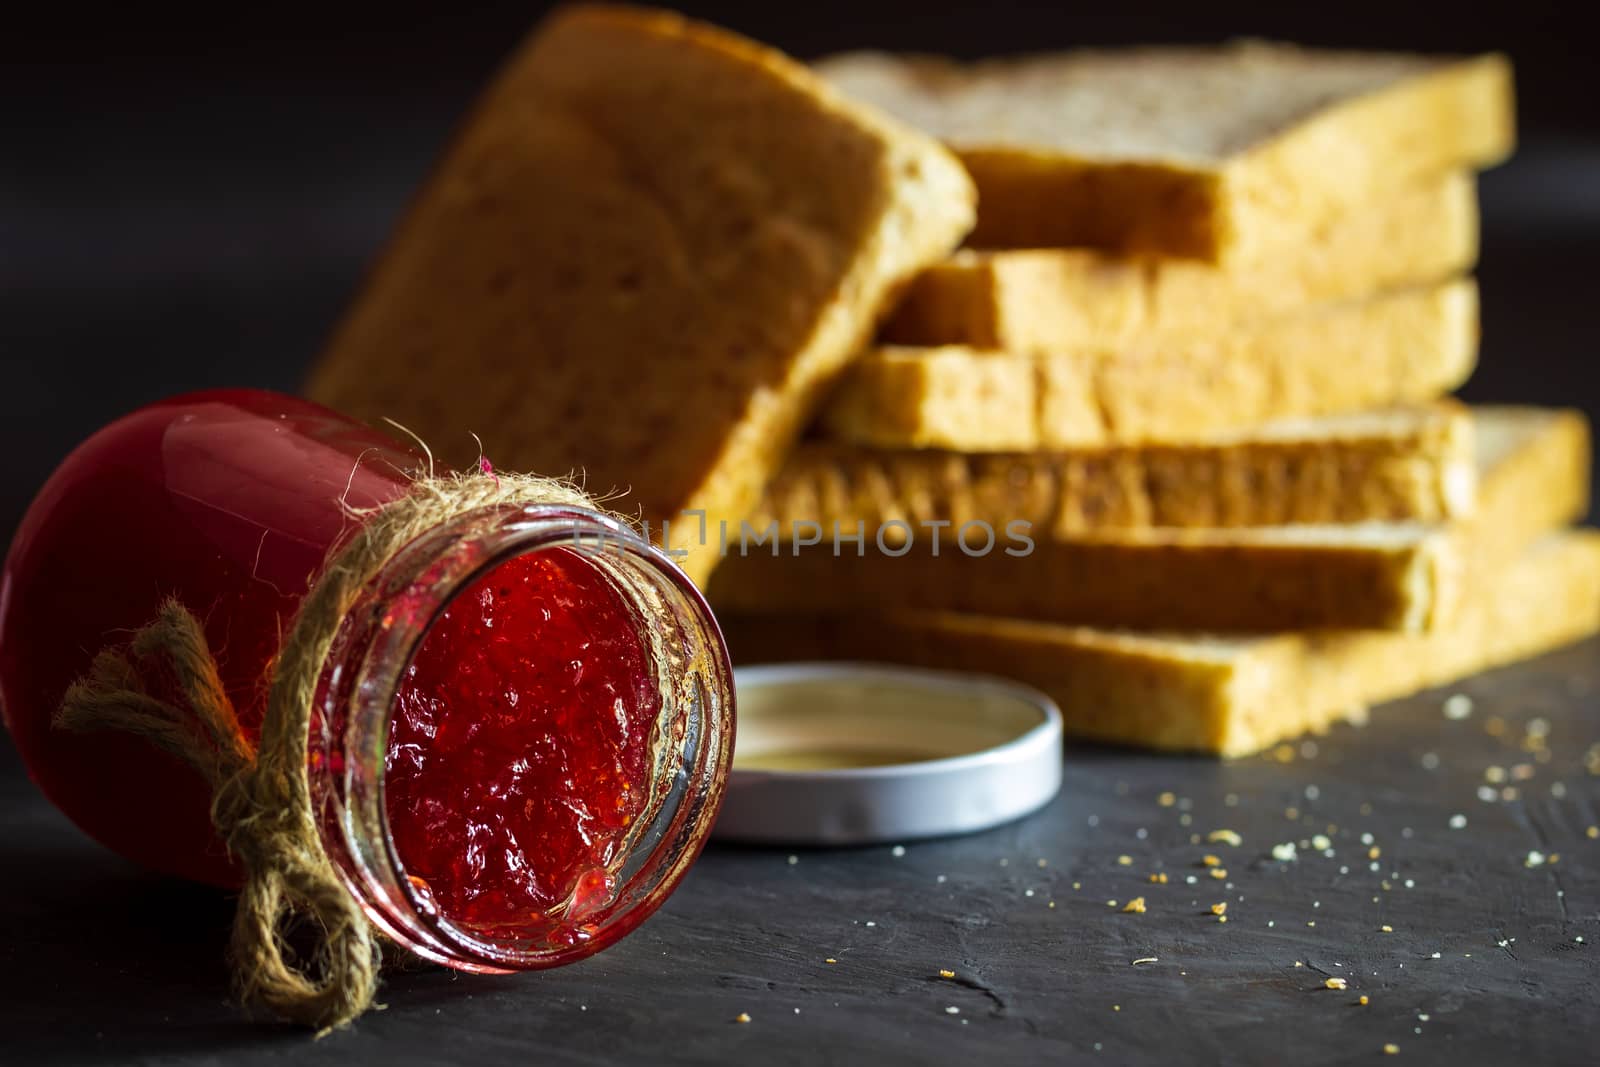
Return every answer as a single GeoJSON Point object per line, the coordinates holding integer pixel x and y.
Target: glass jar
{"type": "Point", "coordinates": [231, 502]}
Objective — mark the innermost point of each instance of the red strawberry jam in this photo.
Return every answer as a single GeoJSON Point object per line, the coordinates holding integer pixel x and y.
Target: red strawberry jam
{"type": "Point", "coordinates": [520, 749]}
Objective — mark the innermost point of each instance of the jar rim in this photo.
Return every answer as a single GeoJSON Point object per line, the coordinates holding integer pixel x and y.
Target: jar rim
{"type": "Point", "coordinates": [377, 640]}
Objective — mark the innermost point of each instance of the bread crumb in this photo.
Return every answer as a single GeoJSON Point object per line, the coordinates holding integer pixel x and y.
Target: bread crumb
{"type": "Point", "coordinates": [1226, 837]}
{"type": "Point", "coordinates": [952, 1010]}
{"type": "Point", "coordinates": [1321, 842]}
{"type": "Point", "coordinates": [946, 973]}
{"type": "Point", "coordinates": [1458, 707]}
{"type": "Point", "coordinates": [1219, 873]}
{"type": "Point", "coordinates": [1209, 860]}
{"type": "Point", "coordinates": [1166, 800]}
{"type": "Point", "coordinates": [830, 959]}
{"type": "Point", "coordinates": [1362, 1000]}
{"type": "Point", "coordinates": [1336, 983]}
{"type": "Point", "coordinates": [1124, 861]}
{"type": "Point", "coordinates": [1159, 878]}
{"type": "Point", "coordinates": [1391, 1049]}
{"type": "Point", "coordinates": [1116, 1007]}
{"type": "Point", "coordinates": [1145, 959]}
{"type": "Point", "coordinates": [742, 1017]}
{"type": "Point", "coordinates": [1219, 908]}
{"type": "Point", "coordinates": [1285, 852]}
{"type": "Point", "coordinates": [1535, 859]}
{"type": "Point", "coordinates": [1136, 906]}
{"type": "Point", "coordinates": [1386, 929]}
{"type": "Point", "coordinates": [1592, 833]}
{"type": "Point", "coordinates": [1222, 918]}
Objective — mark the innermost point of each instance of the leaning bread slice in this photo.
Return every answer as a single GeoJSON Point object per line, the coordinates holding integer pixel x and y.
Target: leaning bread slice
{"type": "Point", "coordinates": [1230, 153]}
{"type": "Point", "coordinates": [1533, 476]}
{"type": "Point", "coordinates": [1413, 463]}
{"type": "Point", "coordinates": [1406, 346]}
{"type": "Point", "coordinates": [649, 249]}
{"type": "Point", "coordinates": [1046, 299]}
{"type": "Point", "coordinates": [1220, 695]}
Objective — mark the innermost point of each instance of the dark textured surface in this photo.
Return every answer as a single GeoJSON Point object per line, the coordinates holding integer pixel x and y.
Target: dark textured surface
{"type": "Point", "coordinates": [1485, 962]}
{"type": "Point", "coordinates": [184, 203]}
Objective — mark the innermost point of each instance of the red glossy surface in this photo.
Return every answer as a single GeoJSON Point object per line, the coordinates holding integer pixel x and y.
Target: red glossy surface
{"type": "Point", "coordinates": [228, 501]}
{"type": "Point", "coordinates": [520, 749]}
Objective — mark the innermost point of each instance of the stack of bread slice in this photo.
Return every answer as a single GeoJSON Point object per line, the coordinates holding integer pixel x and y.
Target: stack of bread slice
{"type": "Point", "coordinates": [1186, 370]}
{"type": "Point", "coordinates": [1178, 407]}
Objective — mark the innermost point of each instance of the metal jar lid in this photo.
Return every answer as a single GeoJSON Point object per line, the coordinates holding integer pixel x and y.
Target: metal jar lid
{"type": "Point", "coordinates": [846, 754]}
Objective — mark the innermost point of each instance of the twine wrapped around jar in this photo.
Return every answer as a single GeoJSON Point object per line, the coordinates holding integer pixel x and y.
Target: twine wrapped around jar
{"type": "Point", "coordinates": [261, 798]}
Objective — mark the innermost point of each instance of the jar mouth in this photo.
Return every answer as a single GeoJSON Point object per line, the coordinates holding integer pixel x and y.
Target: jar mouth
{"type": "Point", "coordinates": [378, 639]}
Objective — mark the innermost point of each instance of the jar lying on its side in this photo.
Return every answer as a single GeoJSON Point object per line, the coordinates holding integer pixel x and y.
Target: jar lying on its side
{"type": "Point", "coordinates": [521, 731]}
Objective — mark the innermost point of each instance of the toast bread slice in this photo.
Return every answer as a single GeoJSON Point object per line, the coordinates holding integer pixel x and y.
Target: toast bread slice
{"type": "Point", "coordinates": [1533, 476]}
{"type": "Point", "coordinates": [650, 248]}
{"type": "Point", "coordinates": [1045, 299]}
{"type": "Point", "coordinates": [1229, 153]}
{"type": "Point", "coordinates": [1412, 464]}
{"type": "Point", "coordinates": [1401, 347]}
{"type": "Point", "coordinates": [1226, 696]}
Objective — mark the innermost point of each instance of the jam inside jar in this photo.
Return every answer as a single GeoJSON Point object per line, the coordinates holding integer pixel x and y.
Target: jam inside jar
{"type": "Point", "coordinates": [521, 730]}
{"type": "Point", "coordinates": [520, 748]}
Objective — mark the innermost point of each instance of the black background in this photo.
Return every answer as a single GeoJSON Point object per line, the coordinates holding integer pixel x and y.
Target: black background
{"type": "Point", "coordinates": [188, 197]}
